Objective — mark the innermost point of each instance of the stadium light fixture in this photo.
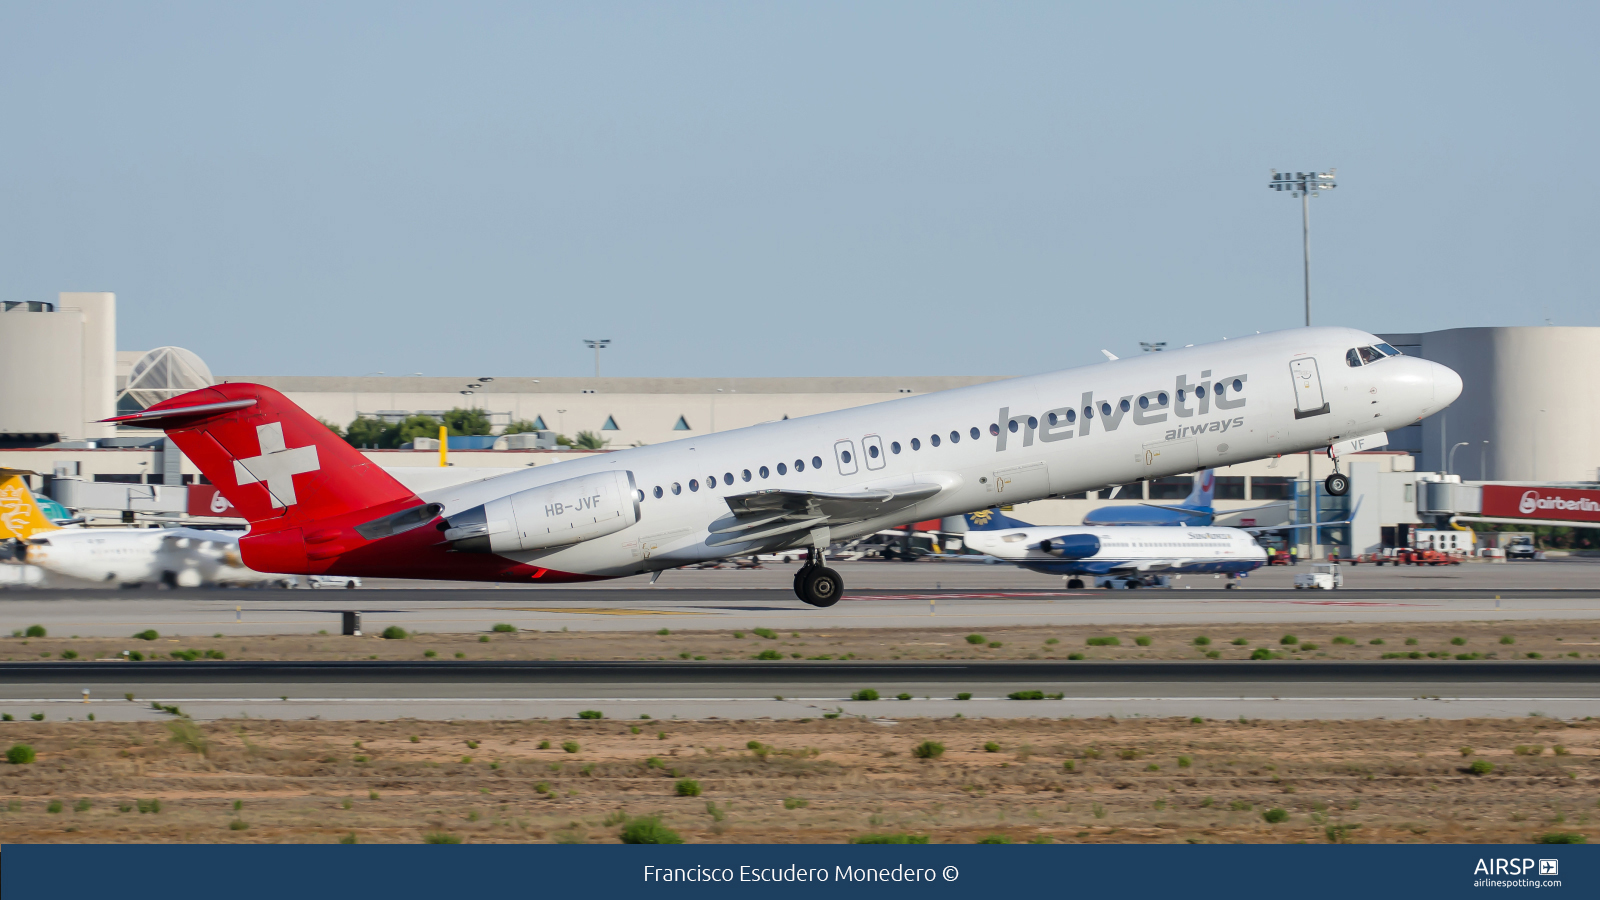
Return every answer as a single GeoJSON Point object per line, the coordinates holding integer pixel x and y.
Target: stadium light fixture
{"type": "Point", "coordinates": [596, 345]}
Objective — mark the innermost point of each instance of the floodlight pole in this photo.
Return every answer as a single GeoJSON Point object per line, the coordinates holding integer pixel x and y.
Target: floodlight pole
{"type": "Point", "coordinates": [596, 346]}
{"type": "Point", "coordinates": [1305, 185]}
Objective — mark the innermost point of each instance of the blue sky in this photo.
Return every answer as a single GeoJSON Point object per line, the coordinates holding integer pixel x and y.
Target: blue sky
{"type": "Point", "coordinates": [749, 189]}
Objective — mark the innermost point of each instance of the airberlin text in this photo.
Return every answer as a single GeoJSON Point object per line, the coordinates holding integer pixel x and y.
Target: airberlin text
{"type": "Point", "coordinates": [791, 873]}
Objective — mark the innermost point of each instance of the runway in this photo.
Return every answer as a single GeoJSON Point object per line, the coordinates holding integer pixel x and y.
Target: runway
{"type": "Point", "coordinates": [738, 690]}
{"type": "Point", "coordinates": [100, 613]}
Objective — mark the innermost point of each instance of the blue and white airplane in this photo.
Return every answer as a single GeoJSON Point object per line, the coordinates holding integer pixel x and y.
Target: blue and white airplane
{"type": "Point", "coordinates": [1133, 553]}
{"type": "Point", "coordinates": [1194, 510]}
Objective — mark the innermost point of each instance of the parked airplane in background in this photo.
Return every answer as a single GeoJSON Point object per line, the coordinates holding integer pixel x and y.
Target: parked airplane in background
{"type": "Point", "coordinates": [1135, 553]}
{"type": "Point", "coordinates": [1195, 509]}
{"type": "Point", "coordinates": [177, 557]}
{"type": "Point", "coordinates": [317, 506]}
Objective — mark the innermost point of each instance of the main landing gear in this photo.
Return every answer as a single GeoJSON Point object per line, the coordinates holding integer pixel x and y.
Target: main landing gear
{"type": "Point", "coordinates": [817, 584]}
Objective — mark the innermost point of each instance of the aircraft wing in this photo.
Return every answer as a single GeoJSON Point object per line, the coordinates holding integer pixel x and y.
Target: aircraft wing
{"type": "Point", "coordinates": [763, 514]}
{"type": "Point", "coordinates": [1150, 565]}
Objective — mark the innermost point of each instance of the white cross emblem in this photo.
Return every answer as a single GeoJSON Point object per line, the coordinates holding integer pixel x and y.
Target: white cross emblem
{"type": "Point", "coordinates": [277, 465]}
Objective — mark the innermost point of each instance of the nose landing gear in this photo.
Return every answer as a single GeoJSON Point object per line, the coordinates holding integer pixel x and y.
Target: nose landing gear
{"type": "Point", "coordinates": [1337, 485]}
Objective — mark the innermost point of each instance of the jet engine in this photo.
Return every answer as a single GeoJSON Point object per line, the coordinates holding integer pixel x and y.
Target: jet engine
{"type": "Point", "coordinates": [553, 515]}
{"type": "Point", "coordinates": [1071, 546]}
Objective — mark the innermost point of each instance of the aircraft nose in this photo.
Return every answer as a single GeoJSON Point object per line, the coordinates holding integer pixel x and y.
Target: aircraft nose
{"type": "Point", "coordinates": [1446, 384]}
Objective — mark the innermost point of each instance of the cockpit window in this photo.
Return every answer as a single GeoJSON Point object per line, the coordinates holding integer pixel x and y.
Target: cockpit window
{"type": "Point", "coordinates": [1387, 350]}
{"type": "Point", "coordinates": [1356, 357]}
{"type": "Point", "coordinates": [39, 542]}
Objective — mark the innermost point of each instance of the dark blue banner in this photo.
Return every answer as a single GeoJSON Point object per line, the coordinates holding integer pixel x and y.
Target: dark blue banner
{"type": "Point", "coordinates": [1123, 871]}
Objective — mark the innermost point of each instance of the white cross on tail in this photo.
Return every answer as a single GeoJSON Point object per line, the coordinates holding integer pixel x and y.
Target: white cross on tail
{"type": "Point", "coordinates": [277, 465]}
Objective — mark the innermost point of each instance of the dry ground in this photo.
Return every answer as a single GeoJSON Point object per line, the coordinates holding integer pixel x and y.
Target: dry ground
{"type": "Point", "coordinates": [805, 781]}
{"type": "Point", "coordinates": [1542, 639]}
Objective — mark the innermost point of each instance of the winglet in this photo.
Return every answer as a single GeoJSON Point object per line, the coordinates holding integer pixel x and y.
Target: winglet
{"type": "Point", "coordinates": [1111, 357]}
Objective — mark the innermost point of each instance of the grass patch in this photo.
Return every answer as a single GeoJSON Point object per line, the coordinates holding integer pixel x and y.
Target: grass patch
{"type": "Point", "coordinates": [686, 787]}
{"type": "Point", "coordinates": [1104, 641]}
{"type": "Point", "coordinates": [441, 837]}
{"type": "Point", "coordinates": [1275, 816]}
{"type": "Point", "coordinates": [864, 694]}
{"type": "Point", "coordinates": [396, 633]}
{"type": "Point", "coordinates": [20, 755]}
{"type": "Point", "coordinates": [648, 830]}
{"type": "Point", "coordinates": [504, 628]}
{"type": "Point", "coordinates": [898, 838]}
{"type": "Point", "coordinates": [591, 714]}
{"type": "Point", "coordinates": [928, 750]}
{"type": "Point", "coordinates": [767, 633]}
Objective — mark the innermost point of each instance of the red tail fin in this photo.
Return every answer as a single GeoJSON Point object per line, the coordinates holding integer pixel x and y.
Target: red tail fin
{"type": "Point", "coordinates": [278, 466]}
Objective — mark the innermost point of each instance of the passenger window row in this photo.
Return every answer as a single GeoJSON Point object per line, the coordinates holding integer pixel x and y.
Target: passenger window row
{"type": "Point", "coordinates": [1156, 399]}
{"type": "Point", "coordinates": [728, 478]}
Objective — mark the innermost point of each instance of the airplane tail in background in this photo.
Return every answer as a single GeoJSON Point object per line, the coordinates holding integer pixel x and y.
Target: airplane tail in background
{"type": "Point", "coordinates": [1205, 485]}
{"type": "Point", "coordinates": [20, 515]}
{"type": "Point", "coordinates": [991, 520]}
{"type": "Point", "coordinates": [278, 466]}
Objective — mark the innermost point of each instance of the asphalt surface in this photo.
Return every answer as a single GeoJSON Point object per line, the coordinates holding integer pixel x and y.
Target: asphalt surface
{"type": "Point", "coordinates": [633, 673]}
{"type": "Point", "coordinates": [738, 690]}
{"type": "Point", "coordinates": [238, 613]}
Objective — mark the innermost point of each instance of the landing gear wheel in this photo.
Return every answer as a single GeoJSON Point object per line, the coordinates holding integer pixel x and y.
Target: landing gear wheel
{"type": "Point", "coordinates": [819, 586]}
{"type": "Point", "coordinates": [1074, 584]}
{"type": "Point", "coordinates": [1337, 485]}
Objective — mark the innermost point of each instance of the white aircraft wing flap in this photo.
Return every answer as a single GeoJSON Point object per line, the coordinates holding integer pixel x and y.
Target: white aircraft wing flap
{"type": "Point", "coordinates": [757, 515]}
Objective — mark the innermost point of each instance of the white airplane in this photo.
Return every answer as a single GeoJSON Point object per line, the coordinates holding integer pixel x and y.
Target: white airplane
{"type": "Point", "coordinates": [177, 557]}
{"type": "Point", "coordinates": [316, 506]}
{"type": "Point", "coordinates": [1130, 552]}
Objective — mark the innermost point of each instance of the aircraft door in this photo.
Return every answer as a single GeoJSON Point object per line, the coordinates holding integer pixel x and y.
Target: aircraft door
{"type": "Point", "coordinates": [872, 446]}
{"type": "Point", "coordinates": [844, 453]}
{"type": "Point", "coordinates": [1308, 399]}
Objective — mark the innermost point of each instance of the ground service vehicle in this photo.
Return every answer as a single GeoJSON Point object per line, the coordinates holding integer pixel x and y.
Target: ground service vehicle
{"type": "Point", "coordinates": [1322, 577]}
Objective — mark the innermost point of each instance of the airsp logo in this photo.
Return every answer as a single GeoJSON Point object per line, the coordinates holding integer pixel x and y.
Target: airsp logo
{"type": "Point", "coordinates": [1524, 866]}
